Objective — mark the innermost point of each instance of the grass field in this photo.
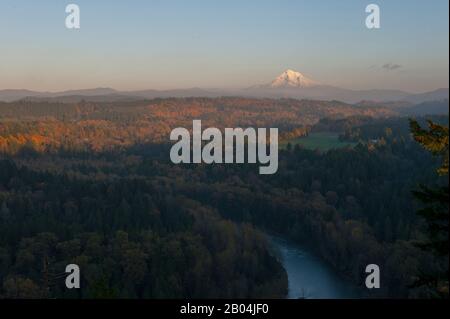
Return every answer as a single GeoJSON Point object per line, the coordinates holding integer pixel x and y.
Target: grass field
{"type": "Point", "coordinates": [323, 141]}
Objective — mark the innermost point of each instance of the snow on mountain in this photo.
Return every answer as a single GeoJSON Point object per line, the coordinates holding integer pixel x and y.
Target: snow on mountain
{"type": "Point", "coordinates": [290, 78]}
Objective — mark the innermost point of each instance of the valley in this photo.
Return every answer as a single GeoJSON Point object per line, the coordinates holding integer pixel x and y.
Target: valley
{"type": "Point", "coordinates": [92, 183]}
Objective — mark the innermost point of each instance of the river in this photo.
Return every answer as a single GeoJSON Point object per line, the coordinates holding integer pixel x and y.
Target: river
{"type": "Point", "coordinates": [309, 276]}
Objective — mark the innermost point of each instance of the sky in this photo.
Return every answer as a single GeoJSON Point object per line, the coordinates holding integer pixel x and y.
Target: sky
{"type": "Point", "coordinates": [168, 44]}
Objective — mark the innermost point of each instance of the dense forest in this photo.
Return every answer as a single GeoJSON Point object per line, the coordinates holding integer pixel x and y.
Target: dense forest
{"type": "Point", "coordinates": [89, 126]}
{"type": "Point", "coordinates": [92, 184]}
{"type": "Point", "coordinates": [130, 236]}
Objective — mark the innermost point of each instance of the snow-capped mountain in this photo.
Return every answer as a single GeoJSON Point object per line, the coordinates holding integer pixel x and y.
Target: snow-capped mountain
{"type": "Point", "coordinates": [293, 84]}
{"type": "Point", "coordinates": [290, 78]}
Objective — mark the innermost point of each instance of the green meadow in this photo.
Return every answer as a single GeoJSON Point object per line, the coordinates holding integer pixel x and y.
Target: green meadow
{"type": "Point", "coordinates": [323, 141]}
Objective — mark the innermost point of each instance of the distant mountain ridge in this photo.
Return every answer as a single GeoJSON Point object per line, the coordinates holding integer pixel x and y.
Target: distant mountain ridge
{"type": "Point", "coordinates": [425, 108]}
{"type": "Point", "coordinates": [289, 84]}
{"type": "Point", "coordinates": [436, 95]}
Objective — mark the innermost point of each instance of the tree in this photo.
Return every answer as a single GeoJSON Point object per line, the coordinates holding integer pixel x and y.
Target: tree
{"type": "Point", "coordinates": [436, 205]}
{"type": "Point", "coordinates": [21, 288]}
{"type": "Point", "coordinates": [434, 140]}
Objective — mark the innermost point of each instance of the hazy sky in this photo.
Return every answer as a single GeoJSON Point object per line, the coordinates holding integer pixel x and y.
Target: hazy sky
{"type": "Point", "coordinates": [178, 44]}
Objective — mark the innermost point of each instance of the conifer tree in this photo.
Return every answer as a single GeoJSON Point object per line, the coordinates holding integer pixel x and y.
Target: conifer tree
{"type": "Point", "coordinates": [435, 202]}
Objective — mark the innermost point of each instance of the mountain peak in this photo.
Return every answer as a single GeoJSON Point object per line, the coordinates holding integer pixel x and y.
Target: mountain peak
{"type": "Point", "coordinates": [291, 78]}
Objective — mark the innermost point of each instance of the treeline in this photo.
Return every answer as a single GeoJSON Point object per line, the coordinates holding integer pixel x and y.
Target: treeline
{"type": "Point", "coordinates": [377, 129]}
{"type": "Point", "coordinates": [339, 125]}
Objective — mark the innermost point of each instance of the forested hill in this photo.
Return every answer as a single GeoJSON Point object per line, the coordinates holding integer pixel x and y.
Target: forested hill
{"type": "Point", "coordinates": [96, 188]}
{"type": "Point", "coordinates": [101, 126]}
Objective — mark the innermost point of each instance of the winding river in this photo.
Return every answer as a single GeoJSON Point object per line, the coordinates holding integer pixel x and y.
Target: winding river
{"type": "Point", "coordinates": [309, 276]}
